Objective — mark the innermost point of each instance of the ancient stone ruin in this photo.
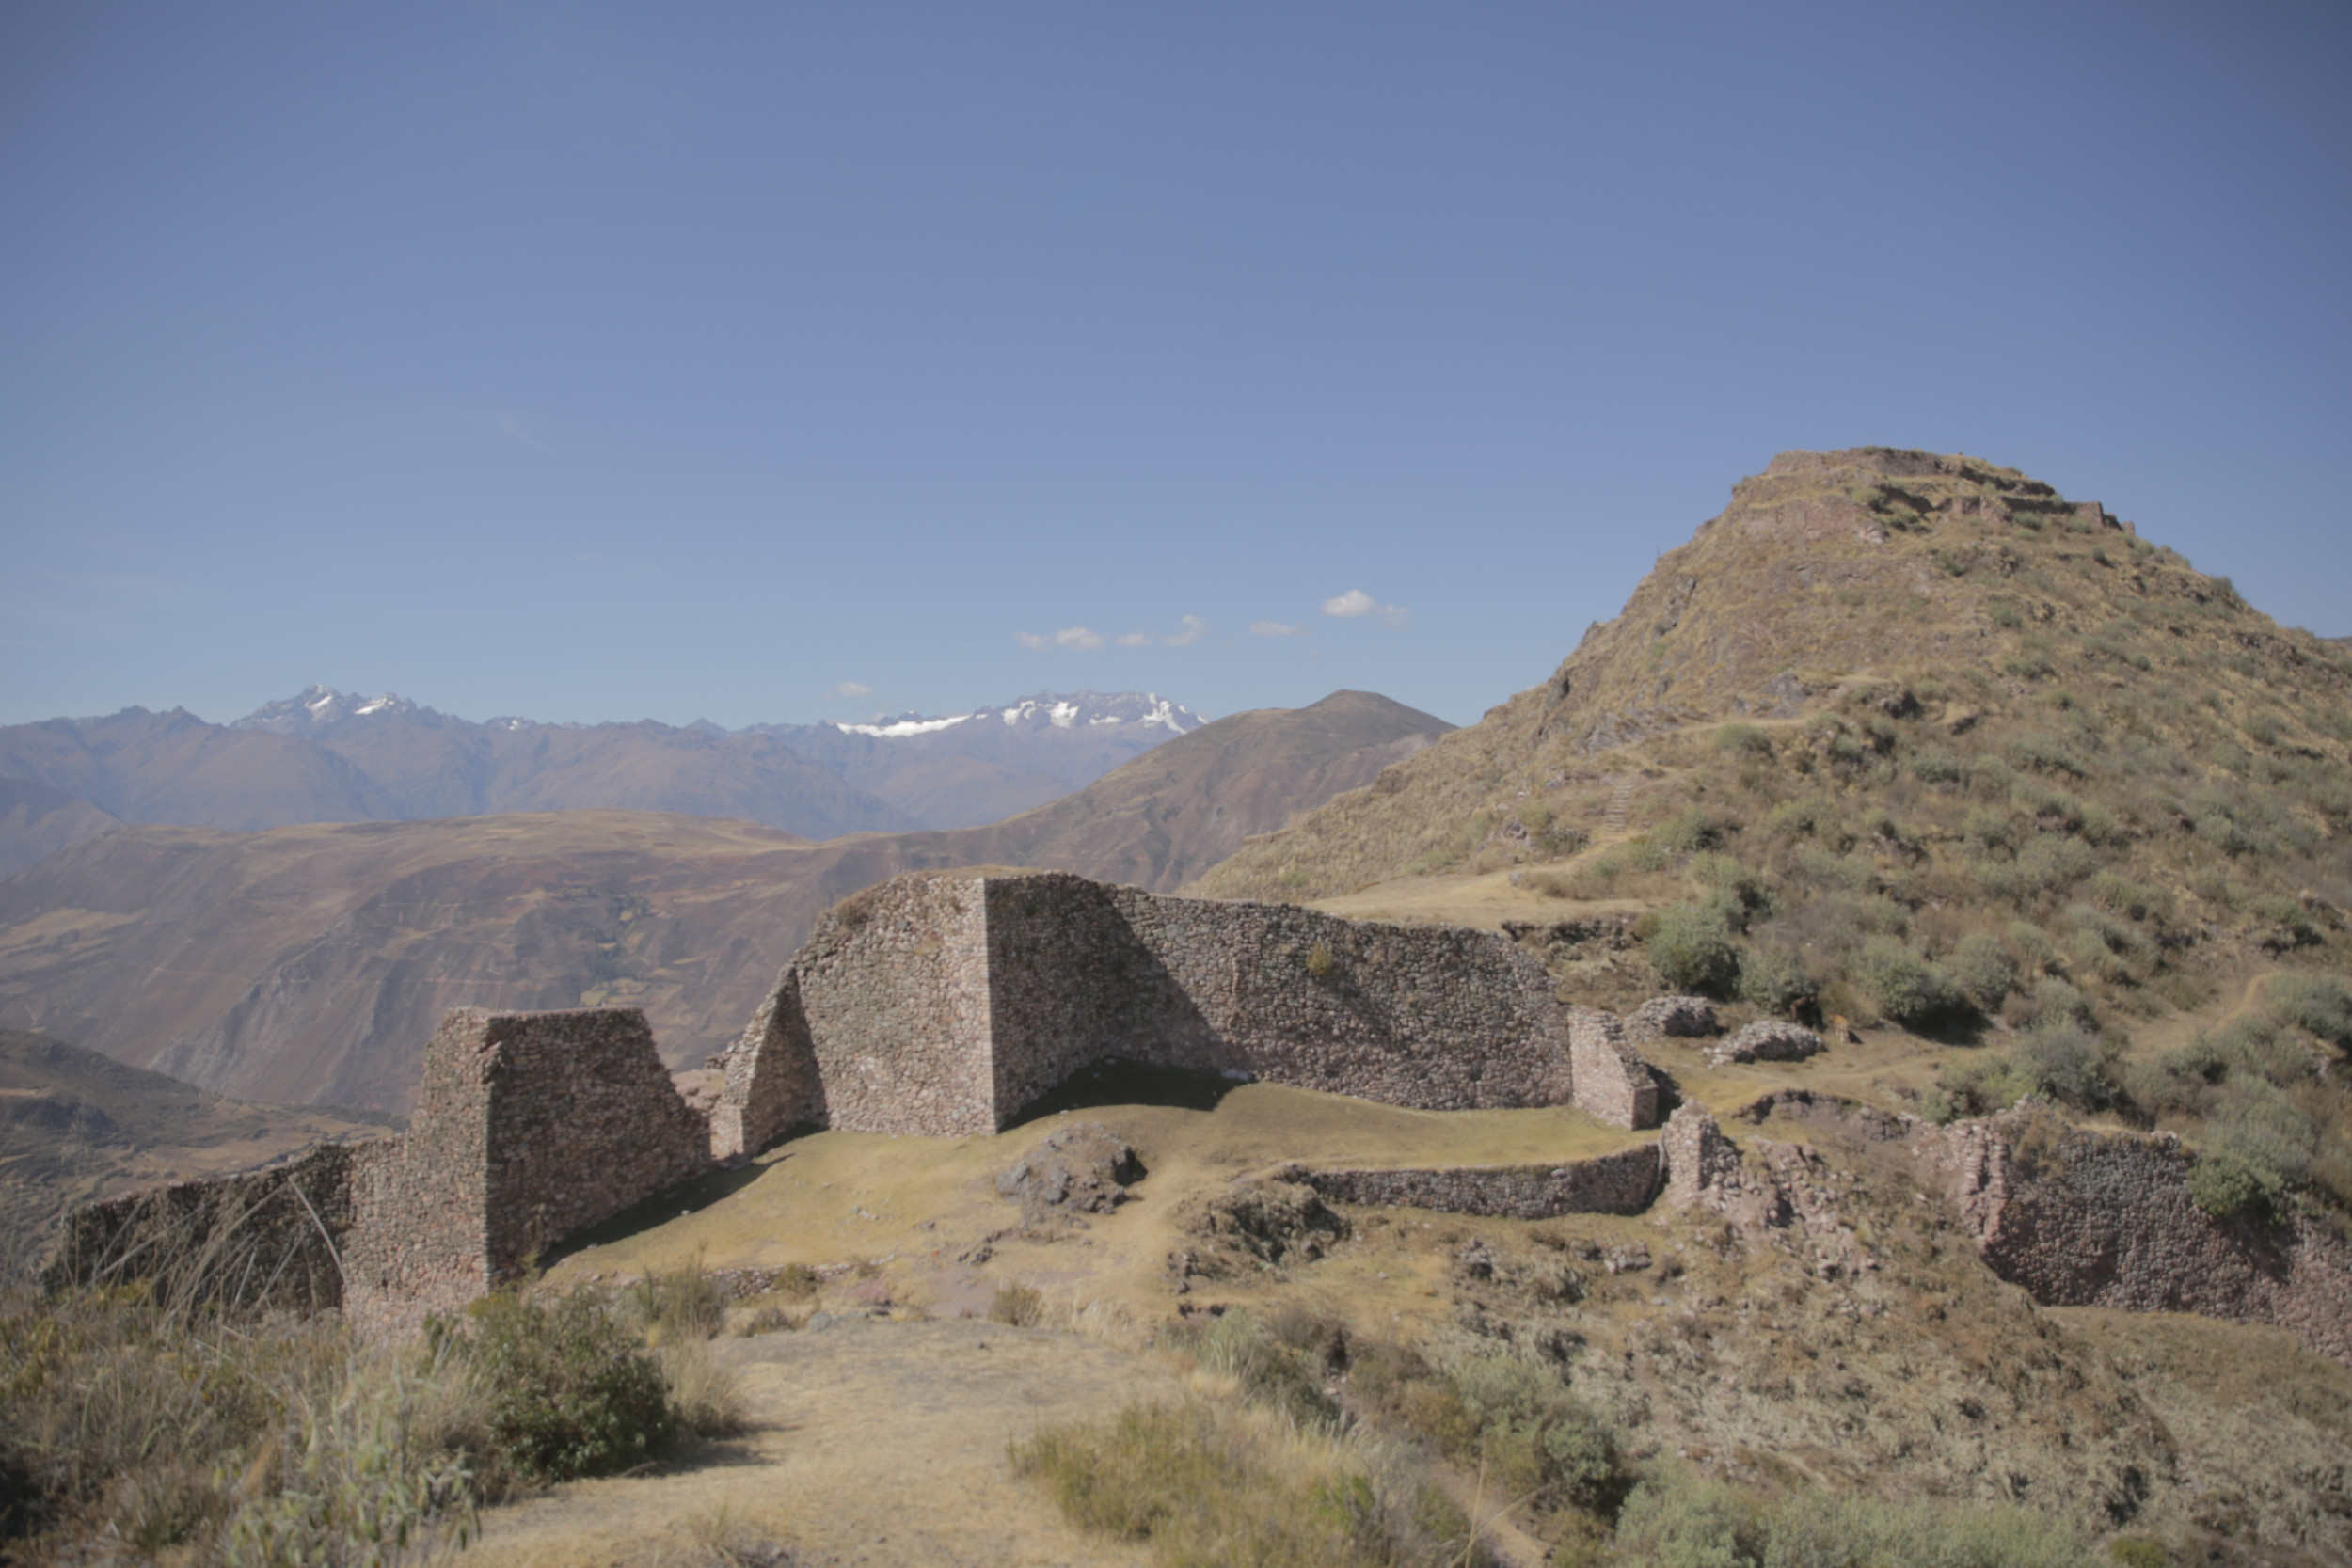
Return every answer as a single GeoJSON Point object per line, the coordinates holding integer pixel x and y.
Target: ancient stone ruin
{"type": "Point", "coordinates": [930, 1004]}
{"type": "Point", "coordinates": [945, 1005]}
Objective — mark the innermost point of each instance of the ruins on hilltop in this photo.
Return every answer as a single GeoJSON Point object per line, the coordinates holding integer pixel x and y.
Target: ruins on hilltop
{"type": "Point", "coordinates": [931, 1005]}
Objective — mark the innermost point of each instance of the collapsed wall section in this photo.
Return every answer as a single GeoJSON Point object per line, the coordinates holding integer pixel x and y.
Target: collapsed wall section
{"type": "Point", "coordinates": [257, 1240]}
{"type": "Point", "coordinates": [2093, 1219]}
{"type": "Point", "coordinates": [1620, 1184]}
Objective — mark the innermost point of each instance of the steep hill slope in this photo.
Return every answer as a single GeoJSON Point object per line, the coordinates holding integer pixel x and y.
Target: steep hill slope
{"type": "Point", "coordinates": [310, 963]}
{"type": "Point", "coordinates": [1914, 740]}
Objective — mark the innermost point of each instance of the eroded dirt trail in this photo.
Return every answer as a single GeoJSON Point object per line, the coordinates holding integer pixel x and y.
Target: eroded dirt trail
{"type": "Point", "coordinates": [872, 1443]}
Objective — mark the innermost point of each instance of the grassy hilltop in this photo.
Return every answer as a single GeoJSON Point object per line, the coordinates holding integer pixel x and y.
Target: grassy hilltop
{"type": "Point", "coordinates": [1916, 740]}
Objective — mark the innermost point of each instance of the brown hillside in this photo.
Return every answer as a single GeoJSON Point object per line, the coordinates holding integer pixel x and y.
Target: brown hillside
{"type": "Point", "coordinates": [37, 821]}
{"type": "Point", "coordinates": [310, 963]}
{"type": "Point", "coordinates": [1918, 741]}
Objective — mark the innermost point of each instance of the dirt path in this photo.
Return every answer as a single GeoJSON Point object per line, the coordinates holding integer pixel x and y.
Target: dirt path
{"type": "Point", "coordinates": [872, 1443]}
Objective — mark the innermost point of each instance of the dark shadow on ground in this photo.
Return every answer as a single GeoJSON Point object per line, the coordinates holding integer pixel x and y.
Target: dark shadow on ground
{"type": "Point", "coordinates": [687, 1198]}
{"type": "Point", "coordinates": [1118, 1081]}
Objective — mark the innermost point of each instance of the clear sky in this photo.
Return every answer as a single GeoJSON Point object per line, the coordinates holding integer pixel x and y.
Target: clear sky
{"type": "Point", "coordinates": [776, 361]}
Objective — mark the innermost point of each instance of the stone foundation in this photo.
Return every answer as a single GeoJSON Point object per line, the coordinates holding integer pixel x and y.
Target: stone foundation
{"type": "Point", "coordinates": [1620, 1183]}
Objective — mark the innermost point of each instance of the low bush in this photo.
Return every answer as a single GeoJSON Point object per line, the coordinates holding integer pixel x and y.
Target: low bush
{"type": "Point", "coordinates": [572, 1391]}
{"type": "Point", "coordinates": [1280, 1376]}
{"type": "Point", "coordinates": [1692, 947]}
{"type": "Point", "coordinates": [1744, 739]}
{"type": "Point", "coordinates": [1202, 1482]}
{"type": "Point", "coordinates": [1677, 1520]}
{"type": "Point", "coordinates": [2062, 1060]}
{"type": "Point", "coordinates": [1903, 985]}
{"type": "Point", "coordinates": [1773, 979]}
{"type": "Point", "coordinates": [2321, 1004]}
{"type": "Point", "coordinates": [1981, 965]}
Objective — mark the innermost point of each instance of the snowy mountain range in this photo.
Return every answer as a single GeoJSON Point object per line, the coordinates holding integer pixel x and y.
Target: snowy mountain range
{"type": "Point", "coordinates": [325, 755]}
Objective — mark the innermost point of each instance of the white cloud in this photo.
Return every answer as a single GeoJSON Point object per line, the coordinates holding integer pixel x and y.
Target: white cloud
{"type": "Point", "coordinates": [1275, 628]}
{"type": "Point", "coordinates": [1193, 626]}
{"type": "Point", "coordinates": [1356, 602]}
{"type": "Point", "coordinates": [853, 689]}
{"type": "Point", "coordinates": [1134, 639]}
{"type": "Point", "coordinates": [1068, 636]}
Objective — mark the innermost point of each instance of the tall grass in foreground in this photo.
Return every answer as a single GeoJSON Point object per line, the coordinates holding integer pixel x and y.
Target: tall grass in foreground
{"type": "Point", "coordinates": [137, 1419]}
{"type": "Point", "coordinates": [1262, 1466]}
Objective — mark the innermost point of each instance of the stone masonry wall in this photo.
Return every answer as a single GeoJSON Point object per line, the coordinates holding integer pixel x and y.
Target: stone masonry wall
{"type": "Point", "coordinates": [945, 1005]}
{"type": "Point", "coordinates": [2106, 1220]}
{"type": "Point", "coordinates": [1620, 1184]}
{"type": "Point", "coordinates": [1613, 1083]}
{"type": "Point", "coordinates": [271, 1237]}
{"type": "Point", "coordinates": [529, 1127]}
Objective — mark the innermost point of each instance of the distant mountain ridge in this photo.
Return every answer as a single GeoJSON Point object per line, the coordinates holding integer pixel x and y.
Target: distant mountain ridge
{"type": "Point", "coordinates": [325, 755]}
{"type": "Point", "coordinates": [310, 963]}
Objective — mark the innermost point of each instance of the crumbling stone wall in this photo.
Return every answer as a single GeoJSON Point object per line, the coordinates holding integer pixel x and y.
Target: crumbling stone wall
{"type": "Point", "coordinates": [945, 1005]}
{"type": "Point", "coordinates": [529, 1127]}
{"type": "Point", "coordinates": [2092, 1219]}
{"type": "Point", "coordinates": [1620, 1184]}
{"type": "Point", "coordinates": [265, 1239]}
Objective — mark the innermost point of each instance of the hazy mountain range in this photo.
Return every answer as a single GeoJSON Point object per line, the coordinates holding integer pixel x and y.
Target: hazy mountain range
{"type": "Point", "coordinates": [309, 963]}
{"type": "Point", "coordinates": [332, 756]}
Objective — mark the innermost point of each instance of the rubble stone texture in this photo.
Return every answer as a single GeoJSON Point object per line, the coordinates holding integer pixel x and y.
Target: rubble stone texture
{"type": "Point", "coordinates": [1768, 1040]}
{"type": "Point", "coordinates": [1670, 1018]}
{"type": "Point", "coordinates": [1620, 1183]}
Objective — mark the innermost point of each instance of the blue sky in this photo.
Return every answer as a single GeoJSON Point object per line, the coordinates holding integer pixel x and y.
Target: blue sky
{"type": "Point", "coordinates": [777, 362]}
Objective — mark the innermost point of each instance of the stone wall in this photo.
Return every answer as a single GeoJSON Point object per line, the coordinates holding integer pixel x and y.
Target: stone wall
{"type": "Point", "coordinates": [266, 1239]}
{"type": "Point", "coordinates": [529, 1127]}
{"type": "Point", "coordinates": [1620, 1184]}
{"type": "Point", "coordinates": [943, 1005]}
{"type": "Point", "coordinates": [2106, 1220]}
{"type": "Point", "coordinates": [1613, 1083]}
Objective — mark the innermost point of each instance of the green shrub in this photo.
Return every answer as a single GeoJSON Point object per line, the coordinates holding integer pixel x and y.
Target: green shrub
{"type": "Point", "coordinates": [2255, 1127]}
{"type": "Point", "coordinates": [1981, 965]}
{"type": "Point", "coordinates": [1244, 1348]}
{"type": "Point", "coordinates": [2320, 1004]}
{"type": "Point", "coordinates": [1903, 985]}
{"type": "Point", "coordinates": [1688, 832]}
{"type": "Point", "coordinates": [2043, 751]}
{"type": "Point", "coordinates": [1691, 946]}
{"type": "Point", "coordinates": [2133, 900]}
{"type": "Point", "coordinates": [1644, 854]}
{"type": "Point", "coordinates": [1937, 764]}
{"type": "Point", "coordinates": [1988, 832]}
{"type": "Point", "coordinates": [672, 1305]}
{"type": "Point", "coordinates": [1773, 979]}
{"type": "Point", "coordinates": [1735, 884]}
{"type": "Point", "coordinates": [572, 1391]}
{"type": "Point", "coordinates": [1744, 739]}
{"type": "Point", "coordinates": [1536, 1439]}
{"type": "Point", "coordinates": [2062, 1060]}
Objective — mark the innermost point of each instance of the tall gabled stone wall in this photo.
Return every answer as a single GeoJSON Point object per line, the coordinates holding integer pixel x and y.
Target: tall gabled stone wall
{"type": "Point", "coordinates": [529, 1127]}
{"type": "Point", "coordinates": [945, 1005]}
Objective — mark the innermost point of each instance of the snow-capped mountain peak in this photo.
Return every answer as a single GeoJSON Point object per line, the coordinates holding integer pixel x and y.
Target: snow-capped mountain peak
{"type": "Point", "coordinates": [317, 707]}
{"type": "Point", "coordinates": [1047, 710]}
